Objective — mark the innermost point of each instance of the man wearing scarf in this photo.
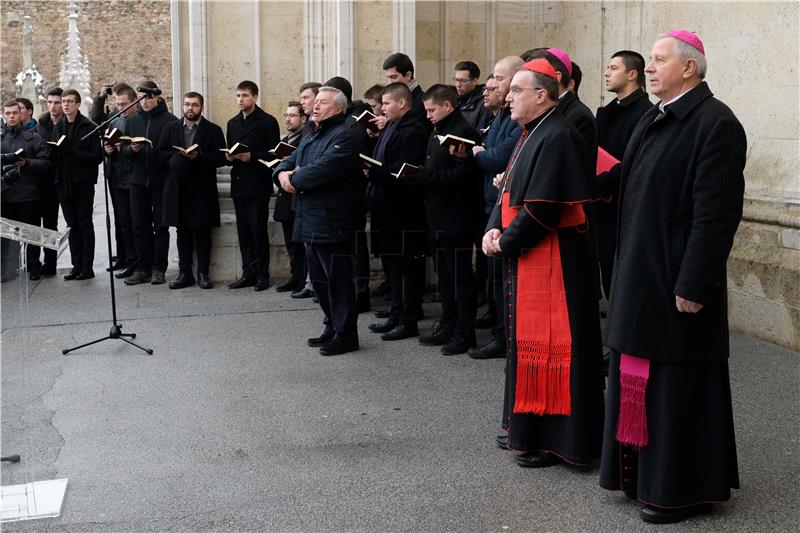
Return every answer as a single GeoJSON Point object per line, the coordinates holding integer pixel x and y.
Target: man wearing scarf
{"type": "Point", "coordinates": [553, 408]}
{"type": "Point", "coordinates": [669, 439]}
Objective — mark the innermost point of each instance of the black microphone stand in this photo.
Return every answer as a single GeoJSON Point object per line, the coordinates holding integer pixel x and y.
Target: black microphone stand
{"type": "Point", "coordinates": [116, 328]}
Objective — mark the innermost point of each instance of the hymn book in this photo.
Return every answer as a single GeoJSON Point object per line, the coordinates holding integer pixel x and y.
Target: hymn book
{"type": "Point", "coordinates": [186, 151]}
{"type": "Point", "coordinates": [112, 136]}
{"type": "Point", "coordinates": [281, 150]}
{"type": "Point", "coordinates": [486, 129]}
{"type": "Point", "coordinates": [406, 170]}
{"type": "Point", "coordinates": [62, 143]}
{"type": "Point", "coordinates": [452, 140]}
{"type": "Point", "coordinates": [135, 140]}
{"type": "Point", "coordinates": [369, 161]}
{"type": "Point", "coordinates": [236, 149]}
{"type": "Point", "coordinates": [364, 119]}
{"type": "Point", "coordinates": [269, 164]}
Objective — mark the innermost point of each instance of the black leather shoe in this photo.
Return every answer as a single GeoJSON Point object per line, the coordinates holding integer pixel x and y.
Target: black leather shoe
{"type": "Point", "coordinates": [244, 281]}
{"type": "Point", "coordinates": [487, 321]}
{"type": "Point", "coordinates": [289, 286]}
{"type": "Point", "coordinates": [119, 265]}
{"type": "Point", "coordinates": [73, 274]}
{"type": "Point", "coordinates": [302, 293]}
{"type": "Point", "coordinates": [493, 350]}
{"type": "Point", "coordinates": [322, 340]}
{"type": "Point", "coordinates": [383, 313]}
{"type": "Point", "coordinates": [402, 331]}
{"type": "Point", "coordinates": [537, 459]}
{"type": "Point", "coordinates": [34, 276]}
{"type": "Point", "coordinates": [48, 270]}
{"type": "Point", "coordinates": [502, 441]}
{"type": "Point", "coordinates": [439, 335]}
{"type": "Point", "coordinates": [339, 345]}
{"type": "Point", "coordinates": [461, 342]}
{"type": "Point", "coordinates": [139, 277]}
{"type": "Point", "coordinates": [128, 272]}
{"type": "Point", "coordinates": [262, 283]}
{"type": "Point", "coordinates": [86, 274]}
{"type": "Point", "coordinates": [383, 327]}
{"type": "Point", "coordinates": [655, 515]}
{"type": "Point", "coordinates": [203, 282]}
{"type": "Point", "coordinates": [182, 281]}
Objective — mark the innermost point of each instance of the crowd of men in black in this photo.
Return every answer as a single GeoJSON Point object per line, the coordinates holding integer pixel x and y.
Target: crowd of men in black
{"type": "Point", "coordinates": [438, 207]}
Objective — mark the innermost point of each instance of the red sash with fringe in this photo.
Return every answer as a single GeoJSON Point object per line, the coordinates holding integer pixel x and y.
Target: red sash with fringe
{"type": "Point", "coordinates": [544, 338]}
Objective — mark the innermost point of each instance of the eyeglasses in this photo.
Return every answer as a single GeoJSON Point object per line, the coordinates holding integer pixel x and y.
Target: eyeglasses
{"type": "Point", "coordinates": [291, 115]}
{"type": "Point", "coordinates": [68, 101]}
{"type": "Point", "coordinates": [459, 81]}
{"type": "Point", "coordinates": [516, 91]}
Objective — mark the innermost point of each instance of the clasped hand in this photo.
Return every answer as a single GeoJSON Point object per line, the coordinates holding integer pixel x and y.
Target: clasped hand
{"type": "Point", "coordinates": [491, 242]}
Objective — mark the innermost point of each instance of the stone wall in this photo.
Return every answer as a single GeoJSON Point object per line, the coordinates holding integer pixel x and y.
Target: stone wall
{"type": "Point", "coordinates": [124, 40]}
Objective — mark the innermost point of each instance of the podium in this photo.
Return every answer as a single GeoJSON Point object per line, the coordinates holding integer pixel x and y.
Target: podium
{"type": "Point", "coordinates": [35, 499]}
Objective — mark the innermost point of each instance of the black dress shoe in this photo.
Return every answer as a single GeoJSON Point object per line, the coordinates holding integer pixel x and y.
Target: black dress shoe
{"type": "Point", "coordinates": [182, 281]}
{"type": "Point", "coordinates": [322, 340]}
{"type": "Point", "coordinates": [86, 274]}
{"type": "Point", "coordinates": [439, 335]}
{"type": "Point", "coordinates": [244, 281]}
{"type": "Point", "coordinates": [487, 321]}
{"type": "Point", "coordinates": [48, 270]}
{"type": "Point", "coordinates": [339, 345]}
{"type": "Point", "coordinates": [463, 339]}
{"type": "Point", "coordinates": [537, 459]}
{"type": "Point", "coordinates": [34, 276]}
{"type": "Point", "coordinates": [119, 265]}
{"type": "Point", "coordinates": [302, 293]}
{"type": "Point", "coordinates": [262, 283]}
{"type": "Point", "coordinates": [203, 282]}
{"type": "Point", "coordinates": [493, 350]}
{"type": "Point", "coordinates": [656, 515]}
{"type": "Point", "coordinates": [383, 313]}
{"type": "Point", "coordinates": [502, 442]}
{"type": "Point", "coordinates": [128, 272]}
{"type": "Point", "coordinates": [289, 286]}
{"type": "Point", "coordinates": [402, 331]}
{"type": "Point", "coordinates": [73, 274]}
{"type": "Point", "coordinates": [383, 327]}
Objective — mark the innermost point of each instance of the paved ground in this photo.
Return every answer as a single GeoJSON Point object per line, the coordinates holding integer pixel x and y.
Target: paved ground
{"type": "Point", "coordinates": [233, 424]}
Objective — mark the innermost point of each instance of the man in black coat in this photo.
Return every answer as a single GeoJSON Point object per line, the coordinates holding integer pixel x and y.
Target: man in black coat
{"type": "Point", "coordinates": [322, 172]}
{"type": "Point", "coordinates": [624, 76]}
{"type": "Point", "coordinates": [453, 193]}
{"type": "Point", "coordinates": [669, 419]}
{"type": "Point", "coordinates": [191, 199]}
{"type": "Point", "coordinates": [20, 197]}
{"type": "Point", "coordinates": [76, 163]}
{"type": "Point", "coordinates": [48, 192]}
{"type": "Point", "coordinates": [251, 185]}
{"type": "Point", "coordinates": [399, 233]}
{"type": "Point", "coordinates": [146, 188]}
{"type": "Point", "coordinates": [470, 94]}
{"type": "Point", "coordinates": [398, 67]}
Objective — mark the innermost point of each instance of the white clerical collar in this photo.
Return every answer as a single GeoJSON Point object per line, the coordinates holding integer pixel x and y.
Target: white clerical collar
{"type": "Point", "coordinates": [561, 96]}
{"type": "Point", "coordinates": [662, 104]}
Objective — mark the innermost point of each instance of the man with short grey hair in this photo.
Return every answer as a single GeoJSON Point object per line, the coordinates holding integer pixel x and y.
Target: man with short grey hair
{"type": "Point", "coordinates": [322, 171]}
{"type": "Point", "coordinates": [669, 439]}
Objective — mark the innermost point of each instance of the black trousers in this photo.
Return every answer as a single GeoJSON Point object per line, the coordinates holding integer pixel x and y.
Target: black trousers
{"type": "Point", "coordinates": [27, 212]}
{"type": "Point", "coordinates": [407, 285]}
{"type": "Point", "coordinates": [456, 281]}
{"type": "Point", "coordinates": [48, 211]}
{"type": "Point", "coordinates": [481, 272]}
{"type": "Point", "coordinates": [77, 208]}
{"type": "Point", "coordinates": [251, 226]}
{"type": "Point", "coordinates": [331, 269]}
{"type": "Point", "coordinates": [495, 270]}
{"type": "Point", "coordinates": [123, 226]}
{"type": "Point", "coordinates": [189, 240]}
{"type": "Point", "coordinates": [297, 254]}
{"type": "Point", "coordinates": [150, 237]}
{"type": "Point", "coordinates": [362, 263]}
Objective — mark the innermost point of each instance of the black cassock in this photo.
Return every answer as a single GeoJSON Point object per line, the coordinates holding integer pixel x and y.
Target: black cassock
{"type": "Point", "coordinates": [548, 180]}
{"type": "Point", "coordinates": [681, 201]}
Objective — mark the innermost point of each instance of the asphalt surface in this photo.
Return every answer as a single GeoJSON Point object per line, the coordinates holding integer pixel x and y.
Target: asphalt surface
{"type": "Point", "coordinates": [233, 424]}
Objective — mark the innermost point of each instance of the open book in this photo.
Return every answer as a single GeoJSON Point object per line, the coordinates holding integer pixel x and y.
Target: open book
{"type": "Point", "coordinates": [112, 136]}
{"type": "Point", "coordinates": [282, 149]}
{"type": "Point", "coordinates": [270, 164]}
{"type": "Point", "coordinates": [369, 161]}
{"type": "Point", "coordinates": [236, 149]}
{"type": "Point", "coordinates": [62, 143]}
{"type": "Point", "coordinates": [406, 170]}
{"type": "Point", "coordinates": [364, 119]}
{"type": "Point", "coordinates": [186, 151]}
{"type": "Point", "coordinates": [135, 140]}
{"type": "Point", "coordinates": [452, 140]}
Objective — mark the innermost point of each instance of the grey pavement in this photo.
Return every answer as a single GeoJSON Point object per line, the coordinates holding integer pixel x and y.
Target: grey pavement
{"type": "Point", "coordinates": [233, 424]}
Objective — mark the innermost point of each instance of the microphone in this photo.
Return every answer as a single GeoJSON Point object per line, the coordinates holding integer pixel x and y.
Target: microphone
{"type": "Point", "coordinates": [150, 91]}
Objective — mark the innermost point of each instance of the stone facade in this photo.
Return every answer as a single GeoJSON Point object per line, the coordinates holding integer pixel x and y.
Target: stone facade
{"type": "Point", "coordinates": [124, 40]}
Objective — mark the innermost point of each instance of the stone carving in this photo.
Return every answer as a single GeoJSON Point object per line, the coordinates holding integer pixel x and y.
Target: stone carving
{"type": "Point", "coordinates": [74, 64]}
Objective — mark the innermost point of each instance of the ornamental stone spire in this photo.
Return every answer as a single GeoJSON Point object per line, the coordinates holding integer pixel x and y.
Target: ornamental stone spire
{"type": "Point", "coordinates": [29, 83]}
{"type": "Point", "coordinates": [74, 64]}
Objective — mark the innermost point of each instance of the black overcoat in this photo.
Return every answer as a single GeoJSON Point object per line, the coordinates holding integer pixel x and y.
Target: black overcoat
{"type": "Point", "coordinates": [581, 117]}
{"type": "Point", "coordinates": [681, 201]}
{"type": "Point", "coordinates": [79, 163]}
{"type": "Point", "coordinates": [260, 132]}
{"type": "Point", "coordinates": [397, 209]}
{"type": "Point", "coordinates": [285, 202]}
{"type": "Point", "coordinates": [191, 198]}
{"type": "Point", "coordinates": [149, 165]}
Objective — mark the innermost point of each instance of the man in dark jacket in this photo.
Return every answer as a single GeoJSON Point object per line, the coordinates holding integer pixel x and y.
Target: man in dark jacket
{"type": "Point", "coordinates": [285, 204]}
{"type": "Point", "coordinates": [624, 76]}
{"type": "Point", "coordinates": [148, 167]}
{"type": "Point", "coordinates": [453, 203]}
{"type": "Point", "coordinates": [398, 213]}
{"type": "Point", "coordinates": [322, 173]}
{"type": "Point", "coordinates": [398, 67]}
{"type": "Point", "coordinates": [48, 192]}
{"type": "Point", "coordinates": [76, 163]}
{"type": "Point", "coordinates": [470, 94]}
{"type": "Point", "coordinates": [191, 200]}
{"type": "Point", "coordinates": [669, 419]}
{"type": "Point", "coordinates": [493, 157]}
{"type": "Point", "coordinates": [251, 185]}
{"type": "Point", "coordinates": [20, 196]}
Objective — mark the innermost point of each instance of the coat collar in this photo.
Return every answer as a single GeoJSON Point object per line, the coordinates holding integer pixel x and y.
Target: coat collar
{"type": "Point", "coordinates": [630, 99]}
{"type": "Point", "coordinates": [690, 100]}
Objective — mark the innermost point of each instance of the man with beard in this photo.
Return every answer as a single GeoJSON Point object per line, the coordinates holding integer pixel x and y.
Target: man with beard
{"type": "Point", "coordinates": [398, 213]}
{"type": "Point", "coordinates": [48, 192]}
{"type": "Point", "coordinates": [470, 94]}
{"type": "Point", "coordinates": [669, 439]}
{"type": "Point", "coordinates": [553, 408]}
{"type": "Point", "coordinates": [250, 184]}
{"type": "Point", "coordinates": [191, 200]}
{"type": "Point", "coordinates": [146, 186]}
{"type": "Point", "coordinates": [322, 170]}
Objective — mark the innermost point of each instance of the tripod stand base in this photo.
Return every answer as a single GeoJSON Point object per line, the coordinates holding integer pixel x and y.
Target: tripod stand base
{"type": "Point", "coordinates": [115, 333]}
